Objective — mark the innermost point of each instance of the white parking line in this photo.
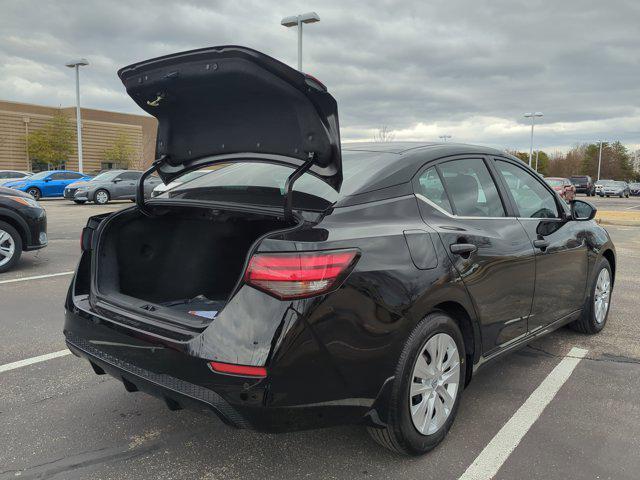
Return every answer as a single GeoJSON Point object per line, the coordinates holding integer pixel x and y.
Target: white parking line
{"type": "Point", "coordinates": [487, 464]}
{"type": "Point", "coordinates": [36, 277]}
{"type": "Point", "coordinates": [30, 361]}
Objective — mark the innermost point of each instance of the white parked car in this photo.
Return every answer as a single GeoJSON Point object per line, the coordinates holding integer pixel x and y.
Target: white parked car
{"type": "Point", "coordinates": [11, 175]}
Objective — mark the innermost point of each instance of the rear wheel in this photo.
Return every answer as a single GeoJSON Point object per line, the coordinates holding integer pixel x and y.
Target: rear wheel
{"type": "Point", "coordinates": [101, 197]}
{"type": "Point", "coordinates": [596, 310]}
{"type": "Point", "coordinates": [427, 388]}
{"type": "Point", "coordinates": [34, 192]}
{"type": "Point", "coordinates": [10, 246]}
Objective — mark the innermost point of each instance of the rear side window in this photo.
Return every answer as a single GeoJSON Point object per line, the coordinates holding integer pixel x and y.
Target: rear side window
{"type": "Point", "coordinates": [130, 175]}
{"type": "Point", "coordinates": [58, 176]}
{"type": "Point", "coordinates": [430, 186]}
{"type": "Point", "coordinates": [71, 176]}
{"type": "Point", "coordinates": [532, 198]}
{"type": "Point", "coordinates": [472, 191]}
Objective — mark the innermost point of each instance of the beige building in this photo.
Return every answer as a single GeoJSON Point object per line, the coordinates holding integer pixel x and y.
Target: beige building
{"type": "Point", "coordinates": [99, 129]}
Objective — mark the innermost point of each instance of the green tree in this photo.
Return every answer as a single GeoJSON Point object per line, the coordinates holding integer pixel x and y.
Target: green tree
{"type": "Point", "coordinates": [121, 152]}
{"type": "Point", "coordinates": [543, 160]}
{"type": "Point", "coordinates": [52, 144]}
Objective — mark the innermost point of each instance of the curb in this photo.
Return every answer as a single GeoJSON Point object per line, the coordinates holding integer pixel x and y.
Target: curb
{"type": "Point", "coordinates": [626, 223]}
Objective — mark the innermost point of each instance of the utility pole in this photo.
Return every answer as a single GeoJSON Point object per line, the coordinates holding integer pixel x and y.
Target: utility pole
{"type": "Point", "coordinates": [297, 21]}
{"type": "Point", "coordinates": [532, 116]}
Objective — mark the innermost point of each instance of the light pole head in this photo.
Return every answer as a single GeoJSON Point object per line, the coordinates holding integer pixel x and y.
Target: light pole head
{"type": "Point", "coordinates": [292, 21]}
{"type": "Point", "coordinates": [533, 114]}
{"type": "Point", "coordinates": [79, 62]}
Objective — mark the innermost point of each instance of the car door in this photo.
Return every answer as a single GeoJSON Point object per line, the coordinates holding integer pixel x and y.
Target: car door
{"type": "Point", "coordinates": [487, 245]}
{"type": "Point", "coordinates": [54, 184]}
{"type": "Point", "coordinates": [560, 245]}
{"type": "Point", "coordinates": [129, 184]}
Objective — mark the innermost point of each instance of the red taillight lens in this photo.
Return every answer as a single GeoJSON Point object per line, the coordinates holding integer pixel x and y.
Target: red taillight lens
{"type": "Point", "coordinates": [242, 370]}
{"type": "Point", "coordinates": [299, 274]}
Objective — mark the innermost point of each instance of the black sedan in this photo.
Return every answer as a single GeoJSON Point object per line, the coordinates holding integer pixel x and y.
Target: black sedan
{"type": "Point", "coordinates": [23, 226]}
{"type": "Point", "coordinates": [307, 283]}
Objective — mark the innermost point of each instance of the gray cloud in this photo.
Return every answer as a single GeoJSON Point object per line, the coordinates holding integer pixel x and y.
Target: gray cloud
{"type": "Point", "coordinates": [466, 68]}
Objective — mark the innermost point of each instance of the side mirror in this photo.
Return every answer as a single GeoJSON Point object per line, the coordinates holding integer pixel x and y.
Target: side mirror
{"type": "Point", "coordinates": [582, 211]}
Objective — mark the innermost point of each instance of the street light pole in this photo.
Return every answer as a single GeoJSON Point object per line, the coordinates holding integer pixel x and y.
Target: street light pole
{"type": "Point", "coordinates": [444, 137]}
{"type": "Point", "coordinates": [537, 153]}
{"type": "Point", "coordinates": [77, 64]}
{"type": "Point", "coordinates": [533, 116]}
{"type": "Point", "coordinates": [599, 159]}
{"type": "Point", "coordinates": [297, 21]}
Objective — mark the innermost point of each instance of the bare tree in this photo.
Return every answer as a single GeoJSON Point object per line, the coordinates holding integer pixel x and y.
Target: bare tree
{"type": "Point", "coordinates": [384, 135]}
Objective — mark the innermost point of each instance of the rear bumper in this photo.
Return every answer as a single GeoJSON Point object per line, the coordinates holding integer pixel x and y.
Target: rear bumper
{"type": "Point", "coordinates": [176, 393]}
{"type": "Point", "coordinates": [180, 377]}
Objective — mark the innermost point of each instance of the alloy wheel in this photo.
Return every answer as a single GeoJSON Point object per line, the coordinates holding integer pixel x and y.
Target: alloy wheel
{"type": "Point", "coordinates": [602, 295]}
{"type": "Point", "coordinates": [435, 383]}
{"type": "Point", "coordinates": [102, 197]}
{"type": "Point", "coordinates": [7, 248]}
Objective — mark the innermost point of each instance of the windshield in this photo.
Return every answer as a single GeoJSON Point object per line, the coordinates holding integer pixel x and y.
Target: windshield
{"type": "Point", "coordinates": [555, 182]}
{"type": "Point", "coordinates": [634, 185]}
{"type": "Point", "coordinates": [106, 176]}
{"type": "Point", "coordinates": [40, 175]}
{"type": "Point", "coordinates": [605, 182]}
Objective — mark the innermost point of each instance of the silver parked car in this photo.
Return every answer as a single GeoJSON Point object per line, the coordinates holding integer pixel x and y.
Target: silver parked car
{"type": "Point", "coordinates": [110, 185]}
{"type": "Point", "coordinates": [12, 175]}
{"type": "Point", "coordinates": [613, 188]}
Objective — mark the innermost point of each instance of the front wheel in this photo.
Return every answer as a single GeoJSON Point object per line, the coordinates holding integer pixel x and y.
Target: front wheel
{"type": "Point", "coordinates": [428, 385]}
{"type": "Point", "coordinates": [34, 192]}
{"type": "Point", "coordinates": [596, 309]}
{"type": "Point", "coordinates": [101, 197]}
{"type": "Point", "coordinates": [10, 246]}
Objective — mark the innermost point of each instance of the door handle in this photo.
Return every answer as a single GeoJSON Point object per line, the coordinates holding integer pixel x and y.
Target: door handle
{"type": "Point", "coordinates": [541, 244]}
{"type": "Point", "coordinates": [462, 248]}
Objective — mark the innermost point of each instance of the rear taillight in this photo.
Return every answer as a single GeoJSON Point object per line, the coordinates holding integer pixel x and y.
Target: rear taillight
{"type": "Point", "coordinates": [299, 274]}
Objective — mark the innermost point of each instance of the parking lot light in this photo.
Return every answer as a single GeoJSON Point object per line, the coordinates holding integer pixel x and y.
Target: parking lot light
{"type": "Point", "coordinates": [599, 159]}
{"type": "Point", "coordinates": [297, 21]}
{"type": "Point", "coordinates": [80, 62]}
{"type": "Point", "coordinates": [532, 116]}
{"type": "Point", "coordinates": [444, 137]}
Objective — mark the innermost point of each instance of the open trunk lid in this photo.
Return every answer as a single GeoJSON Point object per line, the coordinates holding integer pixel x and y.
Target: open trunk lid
{"type": "Point", "coordinates": [230, 103]}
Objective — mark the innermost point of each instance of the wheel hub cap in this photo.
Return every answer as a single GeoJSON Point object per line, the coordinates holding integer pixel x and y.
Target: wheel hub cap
{"type": "Point", "coordinates": [434, 383]}
{"type": "Point", "coordinates": [7, 248]}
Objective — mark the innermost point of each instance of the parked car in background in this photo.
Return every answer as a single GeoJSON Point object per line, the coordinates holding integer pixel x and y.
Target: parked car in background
{"type": "Point", "coordinates": [600, 184]}
{"type": "Point", "coordinates": [323, 284]}
{"type": "Point", "coordinates": [565, 188]}
{"type": "Point", "coordinates": [187, 177]}
{"type": "Point", "coordinates": [47, 184]}
{"type": "Point", "coordinates": [634, 189]}
{"type": "Point", "coordinates": [110, 185]}
{"type": "Point", "coordinates": [12, 175]}
{"type": "Point", "coordinates": [584, 184]}
{"type": "Point", "coordinates": [614, 188]}
{"type": "Point", "coordinates": [23, 226]}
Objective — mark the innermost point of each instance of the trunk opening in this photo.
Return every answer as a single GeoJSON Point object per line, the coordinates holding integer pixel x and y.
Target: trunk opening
{"type": "Point", "coordinates": [180, 265]}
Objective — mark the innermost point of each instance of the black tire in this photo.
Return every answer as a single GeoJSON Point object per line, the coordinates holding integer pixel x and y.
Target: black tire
{"type": "Point", "coordinates": [95, 197]}
{"type": "Point", "coordinates": [17, 242]}
{"type": "Point", "coordinates": [35, 192]}
{"type": "Point", "coordinates": [587, 322]}
{"type": "Point", "coordinates": [400, 435]}
{"type": "Point", "coordinates": [79, 202]}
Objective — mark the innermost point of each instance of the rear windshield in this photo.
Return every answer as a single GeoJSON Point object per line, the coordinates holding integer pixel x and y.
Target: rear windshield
{"type": "Point", "coordinates": [554, 182]}
{"type": "Point", "coordinates": [260, 183]}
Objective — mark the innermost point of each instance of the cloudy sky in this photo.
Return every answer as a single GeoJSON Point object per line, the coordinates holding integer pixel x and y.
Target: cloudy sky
{"type": "Point", "coordinates": [423, 68]}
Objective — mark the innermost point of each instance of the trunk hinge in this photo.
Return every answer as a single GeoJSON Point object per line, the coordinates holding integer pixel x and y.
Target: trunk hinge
{"type": "Point", "coordinates": [140, 188]}
{"type": "Point", "coordinates": [288, 186]}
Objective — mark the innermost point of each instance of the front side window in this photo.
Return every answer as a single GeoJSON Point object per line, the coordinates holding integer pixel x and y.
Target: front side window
{"type": "Point", "coordinates": [58, 176]}
{"type": "Point", "coordinates": [472, 191]}
{"type": "Point", "coordinates": [430, 186]}
{"type": "Point", "coordinates": [130, 176]}
{"type": "Point", "coordinates": [532, 198]}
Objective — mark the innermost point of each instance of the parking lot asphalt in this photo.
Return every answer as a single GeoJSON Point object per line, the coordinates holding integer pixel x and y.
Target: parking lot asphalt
{"type": "Point", "coordinates": [60, 421]}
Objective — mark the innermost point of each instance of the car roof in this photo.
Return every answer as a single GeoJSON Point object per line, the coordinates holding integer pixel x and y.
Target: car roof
{"type": "Point", "coordinates": [393, 163]}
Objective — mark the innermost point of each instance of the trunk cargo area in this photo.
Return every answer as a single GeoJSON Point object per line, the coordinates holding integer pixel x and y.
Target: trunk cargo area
{"type": "Point", "coordinates": [183, 262]}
